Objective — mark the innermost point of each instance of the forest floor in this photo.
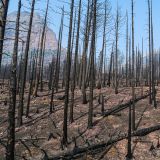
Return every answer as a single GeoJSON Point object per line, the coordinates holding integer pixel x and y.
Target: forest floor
{"type": "Point", "coordinates": [42, 132]}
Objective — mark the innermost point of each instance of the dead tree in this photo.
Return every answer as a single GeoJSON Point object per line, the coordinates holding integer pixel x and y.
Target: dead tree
{"type": "Point", "coordinates": [149, 45]}
{"type": "Point", "coordinates": [129, 151]}
{"type": "Point", "coordinates": [133, 62]}
{"type": "Point", "coordinates": [99, 85]}
{"type": "Point", "coordinates": [92, 51]}
{"type": "Point", "coordinates": [42, 62]}
{"type": "Point", "coordinates": [152, 62]}
{"type": "Point", "coordinates": [24, 71]}
{"type": "Point", "coordinates": [12, 101]}
{"type": "Point", "coordinates": [56, 73]}
{"type": "Point", "coordinates": [4, 11]}
{"type": "Point", "coordinates": [117, 25]}
{"type": "Point", "coordinates": [73, 85]}
{"type": "Point", "coordinates": [30, 87]}
{"type": "Point", "coordinates": [67, 77]}
{"type": "Point", "coordinates": [133, 70]}
{"type": "Point", "coordinates": [127, 49]}
{"type": "Point", "coordinates": [41, 53]}
{"type": "Point", "coordinates": [110, 67]}
{"type": "Point", "coordinates": [84, 56]}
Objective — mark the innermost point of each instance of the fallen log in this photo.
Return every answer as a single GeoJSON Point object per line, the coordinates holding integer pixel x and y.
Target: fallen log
{"type": "Point", "coordinates": [123, 106]}
{"type": "Point", "coordinates": [68, 154]}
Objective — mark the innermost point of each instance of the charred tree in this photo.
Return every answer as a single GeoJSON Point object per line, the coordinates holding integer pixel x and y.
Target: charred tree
{"type": "Point", "coordinates": [12, 91]}
{"type": "Point", "coordinates": [4, 11]}
{"type": "Point", "coordinates": [41, 53]}
{"type": "Point", "coordinates": [24, 71]}
{"type": "Point", "coordinates": [73, 85]}
{"type": "Point", "coordinates": [92, 51]}
{"type": "Point", "coordinates": [67, 77]}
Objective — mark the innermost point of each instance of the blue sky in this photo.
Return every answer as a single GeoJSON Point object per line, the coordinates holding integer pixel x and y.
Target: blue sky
{"type": "Point", "coordinates": [140, 18]}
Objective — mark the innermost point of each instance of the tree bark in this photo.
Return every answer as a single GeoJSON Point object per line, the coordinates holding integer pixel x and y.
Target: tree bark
{"type": "Point", "coordinates": [12, 101]}
{"type": "Point", "coordinates": [68, 65]}
{"type": "Point", "coordinates": [24, 71]}
{"type": "Point", "coordinates": [4, 11]}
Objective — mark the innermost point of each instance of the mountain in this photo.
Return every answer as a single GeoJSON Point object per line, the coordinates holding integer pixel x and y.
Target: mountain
{"type": "Point", "coordinates": [51, 40]}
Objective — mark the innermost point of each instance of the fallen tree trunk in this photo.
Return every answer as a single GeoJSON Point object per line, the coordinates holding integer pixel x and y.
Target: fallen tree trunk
{"type": "Point", "coordinates": [80, 150]}
{"type": "Point", "coordinates": [123, 106]}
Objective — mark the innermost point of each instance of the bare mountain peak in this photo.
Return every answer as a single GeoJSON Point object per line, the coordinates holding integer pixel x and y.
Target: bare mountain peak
{"type": "Point", "coordinates": [51, 40]}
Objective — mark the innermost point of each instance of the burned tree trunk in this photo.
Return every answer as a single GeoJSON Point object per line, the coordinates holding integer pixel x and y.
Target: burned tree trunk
{"type": "Point", "coordinates": [68, 65]}
{"type": "Point", "coordinates": [12, 91]}
{"type": "Point", "coordinates": [127, 50]}
{"type": "Point", "coordinates": [84, 56]}
{"type": "Point", "coordinates": [41, 52]}
{"type": "Point", "coordinates": [75, 65]}
{"type": "Point", "coordinates": [56, 73]}
{"type": "Point", "coordinates": [4, 10]}
{"type": "Point", "coordinates": [92, 51]}
{"type": "Point", "coordinates": [30, 88]}
{"type": "Point", "coordinates": [150, 56]}
{"type": "Point", "coordinates": [24, 71]}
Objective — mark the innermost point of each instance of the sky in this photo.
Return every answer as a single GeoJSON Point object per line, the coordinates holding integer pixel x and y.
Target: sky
{"type": "Point", "coordinates": [140, 10]}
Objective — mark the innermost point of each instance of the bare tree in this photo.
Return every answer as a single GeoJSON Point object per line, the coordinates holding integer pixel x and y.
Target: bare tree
{"type": "Point", "coordinates": [117, 28]}
{"type": "Point", "coordinates": [75, 65]}
{"type": "Point", "coordinates": [92, 51]}
{"type": "Point", "coordinates": [24, 65]}
{"type": "Point", "coordinates": [127, 49]}
{"type": "Point", "coordinates": [149, 45]}
{"type": "Point", "coordinates": [68, 65]}
{"type": "Point", "coordinates": [84, 56]}
{"type": "Point", "coordinates": [41, 52]}
{"type": "Point", "coordinates": [4, 11]}
{"type": "Point", "coordinates": [12, 91]}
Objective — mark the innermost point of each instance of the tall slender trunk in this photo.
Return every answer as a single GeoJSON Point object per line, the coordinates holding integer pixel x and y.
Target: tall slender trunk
{"type": "Point", "coordinates": [127, 50]}
{"type": "Point", "coordinates": [133, 70]}
{"type": "Point", "coordinates": [4, 11]}
{"type": "Point", "coordinates": [30, 87]}
{"type": "Point", "coordinates": [110, 67]}
{"type": "Point", "coordinates": [116, 53]}
{"type": "Point", "coordinates": [42, 63]}
{"type": "Point", "coordinates": [41, 52]}
{"type": "Point", "coordinates": [149, 45]}
{"type": "Point", "coordinates": [75, 65]}
{"type": "Point", "coordinates": [129, 149]}
{"type": "Point", "coordinates": [92, 51]}
{"type": "Point", "coordinates": [84, 56]}
{"type": "Point", "coordinates": [12, 101]}
{"type": "Point", "coordinates": [102, 52]}
{"type": "Point", "coordinates": [152, 62]}
{"type": "Point", "coordinates": [24, 71]}
{"type": "Point", "coordinates": [56, 73]}
{"type": "Point", "coordinates": [68, 65]}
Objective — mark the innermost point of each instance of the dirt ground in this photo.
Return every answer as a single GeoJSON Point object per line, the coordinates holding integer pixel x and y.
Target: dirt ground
{"type": "Point", "coordinates": [41, 133]}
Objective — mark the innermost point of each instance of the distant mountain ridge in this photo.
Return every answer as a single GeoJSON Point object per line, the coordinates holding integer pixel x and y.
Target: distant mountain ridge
{"type": "Point", "coordinates": [51, 40]}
